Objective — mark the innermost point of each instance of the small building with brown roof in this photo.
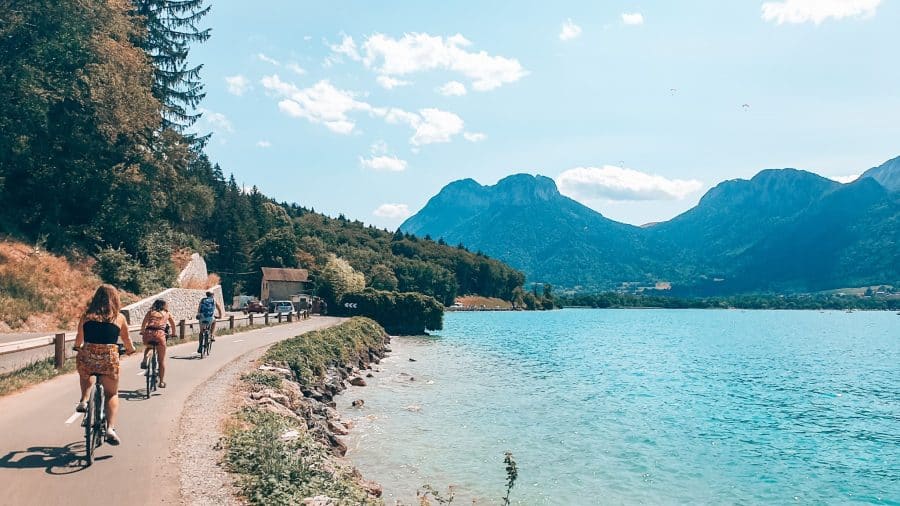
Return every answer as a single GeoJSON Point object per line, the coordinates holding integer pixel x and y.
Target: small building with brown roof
{"type": "Point", "coordinates": [281, 283]}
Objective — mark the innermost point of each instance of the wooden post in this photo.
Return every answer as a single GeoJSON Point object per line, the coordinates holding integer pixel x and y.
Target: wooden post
{"type": "Point", "coordinates": [250, 318]}
{"type": "Point", "coordinates": [266, 317]}
{"type": "Point", "coordinates": [290, 317]}
{"type": "Point", "coordinates": [279, 317]}
{"type": "Point", "coordinates": [59, 343]}
{"type": "Point", "coordinates": [181, 329]}
{"type": "Point", "coordinates": [231, 322]}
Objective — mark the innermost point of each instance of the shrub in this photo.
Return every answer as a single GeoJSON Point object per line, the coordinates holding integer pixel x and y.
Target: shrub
{"type": "Point", "coordinates": [278, 470]}
{"type": "Point", "coordinates": [399, 313]}
{"type": "Point", "coordinates": [117, 267]}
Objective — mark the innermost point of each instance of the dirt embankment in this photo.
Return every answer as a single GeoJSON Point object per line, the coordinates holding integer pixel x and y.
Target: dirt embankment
{"type": "Point", "coordinates": [40, 291]}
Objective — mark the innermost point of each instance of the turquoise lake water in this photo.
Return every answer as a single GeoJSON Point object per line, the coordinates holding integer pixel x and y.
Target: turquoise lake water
{"type": "Point", "coordinates": [640, 407]}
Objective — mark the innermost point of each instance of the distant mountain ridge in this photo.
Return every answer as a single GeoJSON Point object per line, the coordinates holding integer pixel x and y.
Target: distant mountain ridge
{"type": "Point", "coordinates": [782, 230]}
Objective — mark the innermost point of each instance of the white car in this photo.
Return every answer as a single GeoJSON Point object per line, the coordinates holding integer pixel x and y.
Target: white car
{"type": "Point", "coordinates": [283, 306]}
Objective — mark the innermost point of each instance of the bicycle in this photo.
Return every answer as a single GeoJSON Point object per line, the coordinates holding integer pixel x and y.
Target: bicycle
{"type": "Point", "coordinates": [151, 374]}
{"type": "Point", "coordinates": [94, 421]}
{"type": "Point", "coordinates": [205, 339]}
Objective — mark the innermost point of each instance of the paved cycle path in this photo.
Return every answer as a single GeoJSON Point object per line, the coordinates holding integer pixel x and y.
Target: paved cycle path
{"type": "Point", "coordinates": [42, 441]}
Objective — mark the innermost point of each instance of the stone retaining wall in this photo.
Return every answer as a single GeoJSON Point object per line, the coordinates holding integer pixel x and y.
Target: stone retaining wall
{"type": "Point", "coordinates": [182, 302]}
{"type": "Point", "coordinates": [194, 275]}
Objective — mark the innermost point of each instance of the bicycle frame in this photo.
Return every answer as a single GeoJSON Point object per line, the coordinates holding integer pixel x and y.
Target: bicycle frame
{"type": "Point", "coordinates": [205, 339]}
{"type": "Point", "coordinates": [94, 420]}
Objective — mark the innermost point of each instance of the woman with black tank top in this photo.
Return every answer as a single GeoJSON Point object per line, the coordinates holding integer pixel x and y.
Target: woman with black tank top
{"type": "Point", "coordinates": [99, 330]}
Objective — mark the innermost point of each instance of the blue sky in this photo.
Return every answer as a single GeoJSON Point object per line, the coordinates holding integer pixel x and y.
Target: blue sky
{"type": "Point", "coordinates": [635, 108]}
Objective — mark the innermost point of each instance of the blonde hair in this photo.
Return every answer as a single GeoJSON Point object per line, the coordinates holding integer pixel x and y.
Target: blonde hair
{"type": "Point", "coordinates": [105, 305]}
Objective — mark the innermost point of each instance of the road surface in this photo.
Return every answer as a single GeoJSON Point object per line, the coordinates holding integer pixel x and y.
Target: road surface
{"type": "Point", "coordinates": [42, 441]}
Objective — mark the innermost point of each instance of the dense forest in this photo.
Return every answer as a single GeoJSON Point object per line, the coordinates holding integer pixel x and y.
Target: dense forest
{"type": "Point", "coordinates": [805, 301]}
{"type": "Point", "coordinates": [99, 157]}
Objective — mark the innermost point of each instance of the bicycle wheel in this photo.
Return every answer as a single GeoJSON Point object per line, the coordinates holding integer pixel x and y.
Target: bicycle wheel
{"type": "Point", "coordinates": [208, 343]}
{"type": "Point", "coordinates": [154, 375]}
{"type": "Point", "coordinates": [99, 415]}
{"type": "Point", "coordinates": [149, 372]}
{"type": "Point", "coordinates": [89, 430]}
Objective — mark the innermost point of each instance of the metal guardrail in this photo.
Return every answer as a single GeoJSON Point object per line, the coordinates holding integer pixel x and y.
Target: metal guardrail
{"type": "Point", "coordinates": [59, 340]}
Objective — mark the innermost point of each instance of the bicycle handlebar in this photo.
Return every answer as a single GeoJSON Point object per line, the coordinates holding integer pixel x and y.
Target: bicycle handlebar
{"type": "Point", "coordinates": [119, 346]}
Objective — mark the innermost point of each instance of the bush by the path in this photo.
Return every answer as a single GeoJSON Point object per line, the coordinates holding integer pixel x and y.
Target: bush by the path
{"type": "Point", "coordinates": [398, 313]}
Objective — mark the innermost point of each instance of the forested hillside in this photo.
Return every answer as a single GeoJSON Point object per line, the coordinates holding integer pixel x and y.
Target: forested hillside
{"type": "Point", "coordinates": [98, 158]}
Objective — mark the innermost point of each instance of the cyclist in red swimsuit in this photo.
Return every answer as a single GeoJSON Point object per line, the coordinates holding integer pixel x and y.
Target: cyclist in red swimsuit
{"type": "Point", "coordinates": [153, 331]}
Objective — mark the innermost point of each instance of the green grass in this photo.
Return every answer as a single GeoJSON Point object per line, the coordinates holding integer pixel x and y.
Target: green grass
{"type": "Point", "coordinates": [272, 470]}
{"type": "Point", "coordinates": [32, 374]}
{"type": "Point", "coordinates": [262, 379]}
{"type": "Point", "coordinates": [310, 355]}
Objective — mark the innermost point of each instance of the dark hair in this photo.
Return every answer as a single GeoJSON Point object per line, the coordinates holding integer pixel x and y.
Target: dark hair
{"type": "Point", "coordinates": [159, 305]}
{"type": "Point", "coordinates": [209, 294]}
{"type": "Point", "coordinates": [105, 304]}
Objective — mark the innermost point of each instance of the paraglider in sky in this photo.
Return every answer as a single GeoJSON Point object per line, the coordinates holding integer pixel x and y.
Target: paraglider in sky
{"type": "Point", "coordinates": [673, 91]}
{"type": "Point", "coordinates": [745, 107]}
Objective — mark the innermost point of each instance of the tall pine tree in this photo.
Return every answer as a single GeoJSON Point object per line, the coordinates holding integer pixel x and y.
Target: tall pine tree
{"type": "Point", "coordinates": [171, 27]}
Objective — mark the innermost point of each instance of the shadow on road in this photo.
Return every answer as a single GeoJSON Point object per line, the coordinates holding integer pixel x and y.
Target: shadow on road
{"type": "Point", "coordinates": [192, 356]}
{"type": "Point", "coordinates": [55, 460]}
{"type": "Point", "coordinates": [133, 395]}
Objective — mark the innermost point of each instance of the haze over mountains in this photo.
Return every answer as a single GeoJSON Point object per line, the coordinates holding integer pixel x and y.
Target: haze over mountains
{"type": "Point", "coordinates": [783, 230]}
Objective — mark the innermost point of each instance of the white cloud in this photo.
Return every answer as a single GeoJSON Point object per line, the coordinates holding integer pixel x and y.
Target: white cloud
{"type": "Point", "coordinates": [267, 59]}
{"type": "Point", "coordinates": [390, 83]}
{"type": "Point", "coordinates": [569, 30]}
{"type": "Point", "coordinates": [844, 179]}
{"type": "Point", "coordinates": [618, 183]}
{"type": "Point", "coordinates": [817, 11]}
{"type": "Point", "coordinates": [632, 18]}
{"type": "Point", "coordinates": [295, 68]}
{"type": "Point", "coordinates": [452, 89]}
{"type": "Point", "coordinates": [263, 144]}
{"type": "Point", "coordinates": [474, 136]}
{"type": "Point", "coordinates": [237, 85]}
{"type": "Point", "coordinates": [383, 163]}
{"type": "Point", "coordinates": [419, 52]}
{"type": "Point", "coordinates": [430, 125]}
{"type": "Point", "coordinates": [379, 147]}
{"type": "Point", "coordinates": [321, 103]}
{"type": "Point", "coordinates": [324, 104]}
{"type": "Point", "coordinates": [216, 120]}
{"type": "Point", "coordinates": [347, 48]}
{"type": "Point", "coordinates": [392, 211]}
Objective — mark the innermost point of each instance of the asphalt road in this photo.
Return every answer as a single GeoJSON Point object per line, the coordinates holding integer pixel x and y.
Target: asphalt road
{"type": "Point", "coordinates": [42, 441]}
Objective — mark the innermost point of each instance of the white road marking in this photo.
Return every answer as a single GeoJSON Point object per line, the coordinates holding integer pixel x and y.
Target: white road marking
{"type": "Point", "coordinates": [140, 373]}
{"type": "Point", "coordinates": [72, 418]}
{"type": "Point", "coordinates": [238, 341]}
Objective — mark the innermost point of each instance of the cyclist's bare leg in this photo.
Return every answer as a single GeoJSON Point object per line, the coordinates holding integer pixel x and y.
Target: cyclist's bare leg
{"type": "Point", "coordinates": [111, 389]}
{"type": "Point", "coordinates": [85, 383]}
{"type": "Point", "coordinates": [161, 358]}
{"type": "Point", "coordinates": [212, 329]}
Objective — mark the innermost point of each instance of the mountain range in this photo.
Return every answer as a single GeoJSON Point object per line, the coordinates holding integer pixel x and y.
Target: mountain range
{"type": "Point", "coordinates": [784, 230]}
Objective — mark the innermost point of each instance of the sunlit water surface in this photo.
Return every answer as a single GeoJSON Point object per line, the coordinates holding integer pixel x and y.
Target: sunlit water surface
{"type": "Point", "coordinates": [640, 407]}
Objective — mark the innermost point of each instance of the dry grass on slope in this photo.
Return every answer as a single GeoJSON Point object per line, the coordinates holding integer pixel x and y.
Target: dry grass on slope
{"type": "Point", "coordinates": [477, 301]}
{"type": "Point", "coordinates": [40, 291]}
